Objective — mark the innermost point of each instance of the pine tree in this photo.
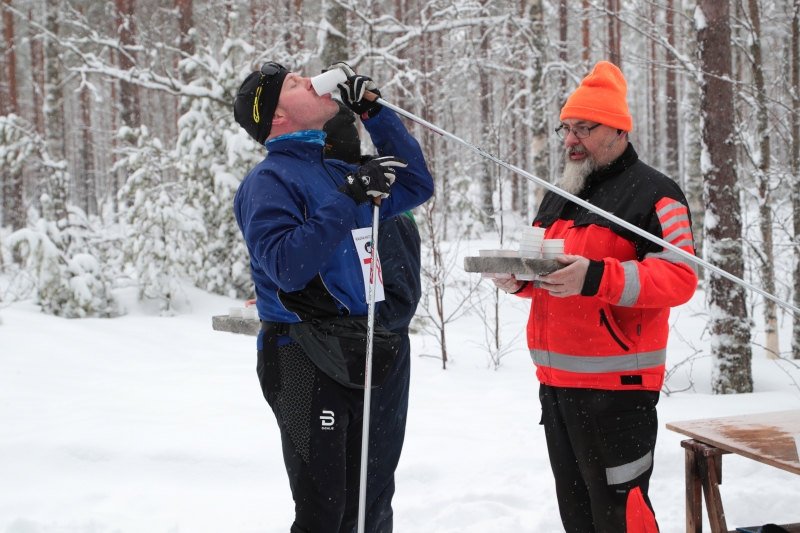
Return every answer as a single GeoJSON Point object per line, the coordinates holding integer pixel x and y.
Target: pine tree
{"type": "Point", "coordinates": [161, 232]}
{"type": "Point", "coordinates": [213, 154]}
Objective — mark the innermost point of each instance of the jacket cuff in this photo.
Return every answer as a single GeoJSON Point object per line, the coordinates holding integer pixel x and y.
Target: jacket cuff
{"type": "Point", "coordinates": [594, 275]}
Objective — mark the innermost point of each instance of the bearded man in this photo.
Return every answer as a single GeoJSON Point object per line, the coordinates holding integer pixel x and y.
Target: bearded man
{"type": "Point", "coordinates": [598, 328]}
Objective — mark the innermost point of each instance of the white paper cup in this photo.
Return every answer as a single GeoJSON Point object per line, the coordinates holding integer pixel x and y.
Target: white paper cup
{"type": "Point", "coordinates": [530, 254]}
{"type": "Point", "coordinates": [328, 82]}
{"type": "Point", "coordinates": [531, 230]}
{"type": "Point", "coordinates": [235, 312]}
{"type": "Point", "coordinates": [250, 313]}
{"type": "Point", "coordinates": [552, 249]}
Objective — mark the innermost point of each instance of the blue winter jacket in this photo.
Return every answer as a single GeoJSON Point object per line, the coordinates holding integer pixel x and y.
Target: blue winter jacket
{"type": "Point", "coordinates": [297, 225]}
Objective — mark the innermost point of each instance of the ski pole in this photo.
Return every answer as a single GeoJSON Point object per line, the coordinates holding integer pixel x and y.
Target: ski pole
{"type": "Point", "coordinates": [586, 205]}
{"type": "Point", "coordinates": [373, 280]}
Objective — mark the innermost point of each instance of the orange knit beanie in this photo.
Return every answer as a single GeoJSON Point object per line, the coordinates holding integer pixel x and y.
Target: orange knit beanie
{"type": "Point", "coordinates": [601, 98]}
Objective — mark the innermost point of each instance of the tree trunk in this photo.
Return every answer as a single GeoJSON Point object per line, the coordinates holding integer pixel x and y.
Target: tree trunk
{"type": "Point", "coordinates": [692, 178]}
{"type": "Point", "coordinates": [185, 24]}
{"type": "Point", "coordinates": [37, 77]}
{"type": "Point", "coordinates": [796, 171]}
{"type": "Point", "coordinates": [729, 323]}
{"type": "Point", "coordinates": [763, 178]}
{"type": "Point", "coordinates": [672, 157]}
{"type": "Point", "coordinates": [87, 191]}
{"type": "Point", "coordinates": [128, 92]}
{"type": "Point", "coordinates": [586, 32]}
{"type": "Point", "coordinates": [13, 194]}
{"type": "Point", "coordinates": [537, 113]}
{"type": "Point", "coordinates": [655, 123]}
{"type": "Point", "coordinates": [335, 46]}
{"type": "Point", "coordinates": [614, 29]}
{"type": "Point", "coordinates": [58, 180]}
{"type": "Point", "coordinates": [487, 174]}
{"type": "Point", "coordinates": [563, 56]}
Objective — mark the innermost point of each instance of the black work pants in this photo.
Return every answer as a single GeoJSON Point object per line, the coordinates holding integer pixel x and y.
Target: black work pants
{"type": "Point", "coordinates": [321, 426]}
{"type": "Point", "coordinates": [601, 446]}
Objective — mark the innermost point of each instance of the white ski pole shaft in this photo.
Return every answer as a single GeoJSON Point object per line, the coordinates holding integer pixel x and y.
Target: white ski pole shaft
{"type": "Point", "coordinates": [373, 280]}
{"type": "Point", "coordinates": [550, 187]}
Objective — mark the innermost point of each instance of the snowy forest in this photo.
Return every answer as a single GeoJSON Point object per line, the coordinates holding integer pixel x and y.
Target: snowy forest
{"type": "Point", "coordinates": [119, 156]}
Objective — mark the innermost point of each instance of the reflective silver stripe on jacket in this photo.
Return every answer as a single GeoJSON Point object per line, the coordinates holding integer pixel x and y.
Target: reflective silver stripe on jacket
{"type": "Point", "coordinates": [673, 257]}
{"type": "Point", "coordinates": [675, 204]}
{"type": "Point", "coordinates": [630, 292]}
{"type": "Point", "coordinates": [599, 364]}
{"type": "Point", "coordinates": [630, 471]}
{"type": "Point", "coordinates": [674, 219]}
{"type": "Point", "coordinates": [677, 232]}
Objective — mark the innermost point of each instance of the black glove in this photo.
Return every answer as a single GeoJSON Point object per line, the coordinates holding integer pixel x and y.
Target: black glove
{"type": "Point", "coordinates": [353, 93]}
{"type": "Point", "coordinates": [373, 180]}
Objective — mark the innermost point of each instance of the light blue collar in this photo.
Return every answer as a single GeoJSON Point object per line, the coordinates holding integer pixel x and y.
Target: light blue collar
{"type": "Point", "coordinates": [309, 136]}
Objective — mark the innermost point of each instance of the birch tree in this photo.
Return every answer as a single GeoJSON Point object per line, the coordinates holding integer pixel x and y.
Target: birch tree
{"type": "Point", "coordinates": [761, 160]}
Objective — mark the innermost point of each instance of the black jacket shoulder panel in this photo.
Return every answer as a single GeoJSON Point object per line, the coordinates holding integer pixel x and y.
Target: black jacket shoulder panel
{"type": "Point", "coordinates": [630, 193]}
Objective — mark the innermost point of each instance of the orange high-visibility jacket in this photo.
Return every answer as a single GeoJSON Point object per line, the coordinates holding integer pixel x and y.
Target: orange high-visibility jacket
{"type": "Point", "coordinates": [614, 335]}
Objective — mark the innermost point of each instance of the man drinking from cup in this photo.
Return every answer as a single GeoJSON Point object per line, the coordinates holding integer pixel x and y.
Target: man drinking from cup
{"type": "Point", "coordinates": [306, 222]}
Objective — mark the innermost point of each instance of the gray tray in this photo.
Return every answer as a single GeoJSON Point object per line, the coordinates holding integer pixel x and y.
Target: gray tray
{"type": "Point", "coordinates": [236, 325]}
{"type": "Point", "coordinates": [511, 265]}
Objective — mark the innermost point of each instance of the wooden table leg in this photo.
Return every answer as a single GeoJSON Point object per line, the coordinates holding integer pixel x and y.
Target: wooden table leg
{"type": "Point", "coordinates": [709, 475]}
{"type": "Point", "coordinates": [694, 495]}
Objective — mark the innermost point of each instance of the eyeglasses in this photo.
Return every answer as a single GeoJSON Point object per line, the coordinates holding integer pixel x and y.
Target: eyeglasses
{"type": "Point", "coordinates": [581, 132]}
{"type": "Point", "coordinates": [268, 69]}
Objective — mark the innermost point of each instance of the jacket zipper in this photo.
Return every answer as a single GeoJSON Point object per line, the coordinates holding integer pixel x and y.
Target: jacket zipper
{"type": "Point", "coordinates": [334, 296]}
{"type": "Point", "coordinates": [607, 324]}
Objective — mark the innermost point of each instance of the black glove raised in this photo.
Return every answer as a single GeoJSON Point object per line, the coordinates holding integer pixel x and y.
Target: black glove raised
{"type": "Point", "coordinates": [353, 93]}
{"type": "Point", "coordinates": [373, 180]}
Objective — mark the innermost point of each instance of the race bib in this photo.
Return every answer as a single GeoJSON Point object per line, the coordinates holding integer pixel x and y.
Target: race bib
{"type": "Point", "coordinates": [363, 239]}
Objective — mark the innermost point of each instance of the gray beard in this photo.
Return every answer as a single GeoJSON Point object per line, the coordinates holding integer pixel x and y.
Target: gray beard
{"type": "Point", "coordinates": [574, 178]}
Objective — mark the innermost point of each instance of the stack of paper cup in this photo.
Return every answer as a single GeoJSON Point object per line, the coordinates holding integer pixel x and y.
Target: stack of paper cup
{"type": "Point", "coordinates": [530, 247]}
{"type": "Point", "coordinates": [250, 313]}
{"type": "Point", "coordinates": [235, 312]}
{"type": "Point", "coordinates": [504, 253]}
{"type": "Point", "coordinates": [531, 244]}
{"type": "Point", "coordinates": [552, 248]}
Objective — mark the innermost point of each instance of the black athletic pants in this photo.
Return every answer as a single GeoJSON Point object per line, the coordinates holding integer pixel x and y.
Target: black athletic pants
{"type": "Point", "coordinates": [320, 423]}
{"type": "Point", "coordinates": [601, 446]}
{"type": "Point", "coordinates": [387, 428]}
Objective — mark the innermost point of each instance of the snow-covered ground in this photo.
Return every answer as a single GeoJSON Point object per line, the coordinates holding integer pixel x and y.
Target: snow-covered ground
{"type": "Point", "coordinates": [144, 424]}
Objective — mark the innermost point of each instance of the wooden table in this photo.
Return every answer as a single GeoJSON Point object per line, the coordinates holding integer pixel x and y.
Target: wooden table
{"type": "Point", "coordinates": [767, 438]}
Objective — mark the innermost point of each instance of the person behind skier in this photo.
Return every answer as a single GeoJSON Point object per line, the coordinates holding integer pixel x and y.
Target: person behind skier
{"type": "Point", "coordinates": [300, 216]}
{"type": "Point", "coordinates": [598, 328]}
{"type": "Point", "coordinates": [399, 247]}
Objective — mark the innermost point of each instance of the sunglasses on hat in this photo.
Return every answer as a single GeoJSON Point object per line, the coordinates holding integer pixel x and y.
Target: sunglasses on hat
{"type": "Point", "coordinates": [268, 69]}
